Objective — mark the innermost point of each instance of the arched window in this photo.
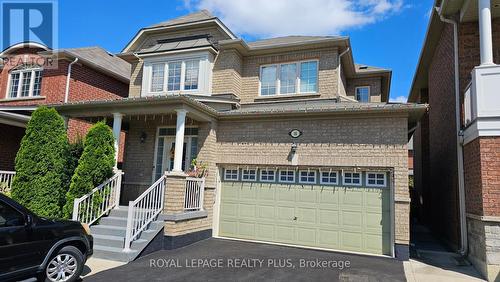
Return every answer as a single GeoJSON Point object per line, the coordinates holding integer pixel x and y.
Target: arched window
{"type": "Point", "coordinates": [25, 81]}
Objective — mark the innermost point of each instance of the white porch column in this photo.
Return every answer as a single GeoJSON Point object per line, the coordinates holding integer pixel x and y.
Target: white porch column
{"type": "Point", "coordinates": [179, 140]}
{"type": "Point", "coordinates": [485, 34]}
{"type": "Point", "coordinates": [117, 128]}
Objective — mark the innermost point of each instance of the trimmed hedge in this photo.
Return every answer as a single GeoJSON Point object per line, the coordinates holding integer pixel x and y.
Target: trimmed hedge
{"type": "Point", "coordinates": [39, 183]}
{"type": "Point", "coordinates": [95, 165]}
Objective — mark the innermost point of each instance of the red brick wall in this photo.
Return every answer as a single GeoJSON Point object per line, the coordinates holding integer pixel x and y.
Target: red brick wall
{"type": "Point", "coordinates": [442, 201]}
{"type": "Point", "coordinates": [482, 176]}
{"type": "Point", "coordinates": [85, 84]}
{"type": "Point", "coordinates": [9, 146]}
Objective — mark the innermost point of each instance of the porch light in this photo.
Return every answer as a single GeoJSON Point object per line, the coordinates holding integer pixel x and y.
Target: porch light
{"type": "Point", "coordinates": [143, 137]}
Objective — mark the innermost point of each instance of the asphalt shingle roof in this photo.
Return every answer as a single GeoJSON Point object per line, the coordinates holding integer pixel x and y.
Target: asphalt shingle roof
{"type": "Point", "coordinates": [193, 17]}
{"type": "Point", "coordinates": [292, 39]}
{"type": "Point", "coordinates": [177, 45]}
{"type": "Point", "coordinates": [102, 58]}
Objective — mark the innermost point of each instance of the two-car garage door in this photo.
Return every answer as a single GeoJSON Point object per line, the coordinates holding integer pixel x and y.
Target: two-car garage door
{"type": "Point", "coordinates": [332, 217]}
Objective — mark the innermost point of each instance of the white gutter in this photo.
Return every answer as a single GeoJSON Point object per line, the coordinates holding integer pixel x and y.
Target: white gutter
{"type": "Point", "coordinates": [340, 69]}
{"type": "Point", "coordinates": [68, 77]}
{"type": "Point", "coordinates": [460, 153]}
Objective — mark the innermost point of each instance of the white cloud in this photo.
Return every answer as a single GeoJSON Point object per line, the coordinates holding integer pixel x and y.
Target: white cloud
{"type": "Point", "coordinates": [262, 18]}
{"type": "Point", "coordinates": [399, 99]}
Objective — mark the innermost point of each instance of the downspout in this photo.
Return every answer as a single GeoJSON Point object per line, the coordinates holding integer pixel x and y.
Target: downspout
{"type": "Point", "coordinates": [460, 154]}
{"type": "Point", "coordinates": [340, 70]}
{"type": "Point", "coordinates": [68, 77]}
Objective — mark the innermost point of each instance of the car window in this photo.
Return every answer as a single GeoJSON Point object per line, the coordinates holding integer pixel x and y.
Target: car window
{"type": "Point", "coordinates": [9, 216]}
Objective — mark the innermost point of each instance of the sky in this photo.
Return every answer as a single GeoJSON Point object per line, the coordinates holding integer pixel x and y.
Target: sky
{"type": "Point", "coordinates": [384, 33]}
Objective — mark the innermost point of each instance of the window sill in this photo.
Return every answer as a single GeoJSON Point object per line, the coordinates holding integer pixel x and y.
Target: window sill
{"type": "Point", "coordinates": [287, 96]}
{"type": "Point", "coordinates": [22, 99]}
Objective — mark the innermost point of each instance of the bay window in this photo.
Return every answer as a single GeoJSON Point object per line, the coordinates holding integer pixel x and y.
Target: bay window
{"type": "Point", "coordinates": [174, 74]}
{"type": "Point", "coordinates": [289, 78]}
{"type": "Point", "coordinates": [25, 82]}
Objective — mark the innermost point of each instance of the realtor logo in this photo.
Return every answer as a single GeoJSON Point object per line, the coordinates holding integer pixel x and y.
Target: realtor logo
{"type": "Point", "coordinates": [29, 21]}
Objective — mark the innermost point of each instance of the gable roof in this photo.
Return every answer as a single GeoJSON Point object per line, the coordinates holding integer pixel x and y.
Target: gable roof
{"type": "Point", "coordinates": [100, 59]}
{"type": "Point", "coordinates": [189, 18]}
{"type": "Point", "coordinates": [198, 19]}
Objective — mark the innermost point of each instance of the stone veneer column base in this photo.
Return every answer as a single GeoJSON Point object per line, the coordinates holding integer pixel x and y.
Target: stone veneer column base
{"type": "Point", "coordinates": [175, 242]}
{"type": "Point", "coordinates": [402, 252]}
{"type": "Point", "coordinates": [484, 246]}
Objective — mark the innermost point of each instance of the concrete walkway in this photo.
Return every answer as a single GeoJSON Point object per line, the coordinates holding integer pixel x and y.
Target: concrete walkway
{"type": "Point", "coordinates": [96, 265]}
{"type": "Point", "coordinates": [431, 261]}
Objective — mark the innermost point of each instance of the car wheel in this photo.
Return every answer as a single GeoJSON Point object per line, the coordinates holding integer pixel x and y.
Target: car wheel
{"type": "Point", "coordinates": [65, 266]}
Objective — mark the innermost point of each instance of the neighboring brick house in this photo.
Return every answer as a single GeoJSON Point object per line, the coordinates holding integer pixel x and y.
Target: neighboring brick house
{"type": "Point", "coordinates": [457, 144]}
{"type": "Point", "coordinates": [32, 75]}
{"type": "Point", "coordinates": [301, 144]}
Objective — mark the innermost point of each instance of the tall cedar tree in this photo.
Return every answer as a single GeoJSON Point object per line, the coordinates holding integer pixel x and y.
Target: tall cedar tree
{"type": "Point", "coordinates": [95, 165]}
{"type": "Point", "coordinates": [40, 164]}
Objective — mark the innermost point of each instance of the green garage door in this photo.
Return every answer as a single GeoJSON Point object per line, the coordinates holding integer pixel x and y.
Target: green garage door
{"type": "Point", "coordinates": [352, 219]}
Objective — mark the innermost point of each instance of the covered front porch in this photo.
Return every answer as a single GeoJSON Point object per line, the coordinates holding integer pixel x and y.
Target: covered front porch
{"type": "Point", "coordinates": [159, 186]}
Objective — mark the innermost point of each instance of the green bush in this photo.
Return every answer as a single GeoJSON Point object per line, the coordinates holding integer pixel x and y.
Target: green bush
{"type": "Point", "coordinates": [95, 165]}
{"type": "Point", "coordinates": [40, 164]}
{"type": "Point", "coordinates": [75, 151]}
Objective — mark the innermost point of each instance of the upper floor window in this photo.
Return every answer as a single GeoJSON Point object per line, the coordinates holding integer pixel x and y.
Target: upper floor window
{"type": "Point", "coordinates": [25, 82]}
{"type": "Point", "coordinates": [175, 76]}
{"type": "Point", "coordinates": [289, 78]}
{"type": "Point", "coordinates": [363, 94]}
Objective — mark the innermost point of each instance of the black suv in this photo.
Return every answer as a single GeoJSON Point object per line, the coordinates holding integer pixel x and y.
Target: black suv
{"type": "Point", "coordinates": [31, 246]}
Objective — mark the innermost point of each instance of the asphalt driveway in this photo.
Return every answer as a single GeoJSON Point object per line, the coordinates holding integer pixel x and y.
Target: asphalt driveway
{"type": "Point", "coordinates": [227, 260]}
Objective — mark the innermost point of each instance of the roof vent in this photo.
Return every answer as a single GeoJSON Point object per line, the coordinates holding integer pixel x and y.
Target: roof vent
{"type": "Point", "coordinates": [363, 67]}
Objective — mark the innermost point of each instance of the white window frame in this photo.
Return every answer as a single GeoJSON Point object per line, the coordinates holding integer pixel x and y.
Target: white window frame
{"type": "Point", "coordinates": [286, 170]}
{"type": "Point", "coordinates": [327, 182]}
{"type": "Point", "coordinates": [267, 169]}
{"type": "Point", "coordinates": [356, 93]}
{"type": "Point", "coordinates": [308, 171]}
{"type": "Point", "coordinates": [21, 73]}
{"type": "Point", "coordinates": [297, 79]}
{"type": "Point", "coordinates": [231, 169]}
{"type": "Point", "coordinates": [376, 173]}
{"type": "Point", "coordinates": [249, 174]}
{"type": "Point", "coordinates": [352, 184]}
{"type": "Point", "coordinates": [204, 73]}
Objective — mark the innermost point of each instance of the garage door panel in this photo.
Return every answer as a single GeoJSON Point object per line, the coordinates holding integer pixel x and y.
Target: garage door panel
{"type": "Point", "coordinates": [285, 233]}
{"type": "Point", "coordinates": [285, 213]}
{"type": "Point", "coordinates": [352, 197]}
{"type": "Point", "coordinates": [329, 217]}
{"type": "Point", "coordinates": [351, 241]}
{"type": "Point", "coordinates": [247, 211]}
{"type": "Point", "coordinates": [285, 194]}
{"type": "Point", "coordinates": [229, 209]}
{"type": "Point", "coordinates": [353, 219]}
{"type": "Point", "coordinates": [247, 229]}
{"type": "Point", "coordinates": [266, 231]}
{"type": "Point", "coordinates": [307, 194]}
{"type": "Point", "coordinates": [328, 238]}
{"type": "Point", "coordinates": [267, 212]}
{"type": "Point", "coordinates": [306, 236]}
{"type": "Point", "coordinates": [229, 228]}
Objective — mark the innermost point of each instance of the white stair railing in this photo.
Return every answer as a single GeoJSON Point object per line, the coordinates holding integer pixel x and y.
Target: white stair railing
{"type": "Point", "coordinates": [99, 201]}
{"type": "Point", "coordinates": [193, 196]}
{"type": "Point", "coordinates": [6, 178]}
{"type": "Point", "coordinates": [143, 210]}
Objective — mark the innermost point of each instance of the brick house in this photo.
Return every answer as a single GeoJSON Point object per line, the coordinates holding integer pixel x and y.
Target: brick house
{"type": "Point", "coordinates": [27, 80]}
{"type": "Point", "coordinates": [457, 144]}
{"type": "Point", "coordinates": [300, 144]}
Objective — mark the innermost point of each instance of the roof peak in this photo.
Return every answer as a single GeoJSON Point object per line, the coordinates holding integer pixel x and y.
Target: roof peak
{"type": "Point", "coordinates": [189, 18]}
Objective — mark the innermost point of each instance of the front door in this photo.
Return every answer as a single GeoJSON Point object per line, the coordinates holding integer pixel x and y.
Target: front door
{"type": "Point", "coordinates": [165, 151]}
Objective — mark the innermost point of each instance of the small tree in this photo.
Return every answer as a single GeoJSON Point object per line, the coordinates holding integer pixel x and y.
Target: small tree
{"type": "Point", "coordinates": [95, 165]}
{"type": "Point", "coordinates": [40, 163]}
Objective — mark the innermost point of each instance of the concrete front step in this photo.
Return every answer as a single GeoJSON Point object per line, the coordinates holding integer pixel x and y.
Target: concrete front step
{"type": "Point", "coordinates": [118, 242]}
{"type": "Point", "coordinates": [113, 253]}
{"type": "Point", "coordinates": [121, 221]}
